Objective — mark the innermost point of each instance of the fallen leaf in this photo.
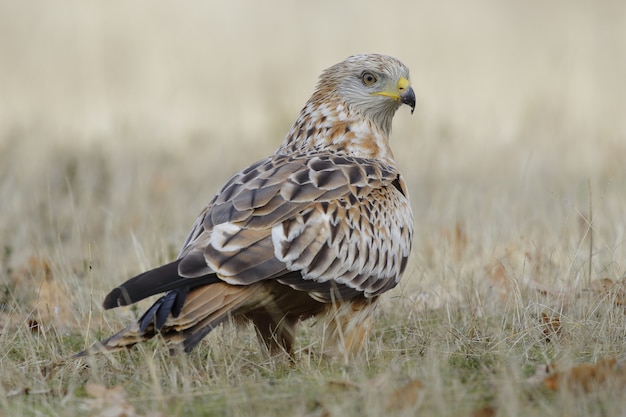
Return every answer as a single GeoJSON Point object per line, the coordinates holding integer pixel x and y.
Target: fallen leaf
{"type": "Point", "coordinates": [457, 239]}
{"type": "Point", "coordinates": [499, 280]}
{"type": "Point", "coordinates": [551, 327]}
{"type": "Point", "coordinates": [405, 396]}
{"type": "Point", "coordinates": [613, 290]}
{"type": "Point", "coordinates": [111, 402]}
{"type": "Point", "coordinates": [486, 411]}
{"type": "Point", "coordinates": [587, 376]}
{"type": "Point", "coordinates": [41, 294]}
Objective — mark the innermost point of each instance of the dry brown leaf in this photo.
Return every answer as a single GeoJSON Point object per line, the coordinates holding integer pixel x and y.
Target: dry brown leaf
{"type": "Point", "coordinates": [320, 411]}
{"type": "Point", "coordinates": [39, 292]}
{"type": "Point", "coordinates": [497, 276]}
{"type": "Point", "coordinates": [516, 271]}
{"type": "Point", "coordinates": [486, 411]}
{"type": "Point", "coordinates": [324, 412]}
{"type": "Point", "coordinates": [457, 239]}
{"type": "Point", "coordinates": [587, 377]}
{"type": "Point", "coordinates": [498, 273]}
{"type": "Point", "coordinates": [405, 396]}
{"type": "Point", "coordinates": [108, 402]}
{"type": "Point", "coordinates": [53, 304]}
{"type": "Point", "coordinates": [551, 327]}
{"type": "Point", "coordinates": [613, 290]}
{"type": "Point", "coordinates": [111, 402]}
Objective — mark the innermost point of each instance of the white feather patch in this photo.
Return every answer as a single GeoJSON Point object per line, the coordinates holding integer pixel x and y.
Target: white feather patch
{"type": "Point", "coordinates": [221, 234]}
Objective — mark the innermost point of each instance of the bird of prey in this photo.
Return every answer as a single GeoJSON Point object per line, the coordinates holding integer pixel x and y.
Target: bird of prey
{"type": "Point", "coordinates": [321, 227]}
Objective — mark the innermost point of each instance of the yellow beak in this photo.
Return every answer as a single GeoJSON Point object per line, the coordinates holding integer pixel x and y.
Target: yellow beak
{"type": "Point", "coordinates": [403, 92]}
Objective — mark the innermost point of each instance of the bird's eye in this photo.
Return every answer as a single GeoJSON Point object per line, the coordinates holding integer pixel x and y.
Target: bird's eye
{"type": "Point", "coordinates": [368, 78]}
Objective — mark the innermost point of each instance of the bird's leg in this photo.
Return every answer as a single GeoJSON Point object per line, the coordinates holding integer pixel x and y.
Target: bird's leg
{"type": "Point", "coordinates": [275, 331]}
{"type": "Point", "coordinates": [347, 326]}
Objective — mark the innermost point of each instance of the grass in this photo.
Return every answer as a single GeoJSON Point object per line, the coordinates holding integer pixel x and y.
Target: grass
{"type": "Point", "coordinates": [514, 160]}
{"type": "Point", "coordinates": [464, 333]}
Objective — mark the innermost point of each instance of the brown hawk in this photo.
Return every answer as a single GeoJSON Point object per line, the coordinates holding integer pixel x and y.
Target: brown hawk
{"type": "Point", "coordinates": [323, 225]}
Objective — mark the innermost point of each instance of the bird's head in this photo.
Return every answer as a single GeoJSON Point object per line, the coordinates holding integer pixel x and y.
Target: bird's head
{"type": "Point", "coordinates": [374, 85]}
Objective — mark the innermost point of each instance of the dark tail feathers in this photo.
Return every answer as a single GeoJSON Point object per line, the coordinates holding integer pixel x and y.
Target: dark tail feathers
{"type": "Point", "coordinates": [162, 279]}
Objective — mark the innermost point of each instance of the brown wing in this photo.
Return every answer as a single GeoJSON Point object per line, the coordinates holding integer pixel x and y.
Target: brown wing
{"type": "Point", "coordinates": [331, 217]}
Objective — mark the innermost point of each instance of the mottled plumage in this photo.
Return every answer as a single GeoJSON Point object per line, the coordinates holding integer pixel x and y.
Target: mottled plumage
{"type": "Point", "coordinates": [323, 225]}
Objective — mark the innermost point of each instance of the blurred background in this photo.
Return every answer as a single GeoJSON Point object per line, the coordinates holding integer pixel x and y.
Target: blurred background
{"type": "Point", "coordinates": [119, 119]}
{"type": "Point", "coordinates": [489, 74]}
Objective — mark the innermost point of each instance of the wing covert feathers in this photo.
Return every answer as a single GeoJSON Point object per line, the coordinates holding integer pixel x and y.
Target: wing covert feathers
{"type": "Point", "coordinates": [333, 217]}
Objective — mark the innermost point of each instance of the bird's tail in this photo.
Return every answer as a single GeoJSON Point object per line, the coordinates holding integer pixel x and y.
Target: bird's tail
{"type": "Point", "coordinates": [205, 308]}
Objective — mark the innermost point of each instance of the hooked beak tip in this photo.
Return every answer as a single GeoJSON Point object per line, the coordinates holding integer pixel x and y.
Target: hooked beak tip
{"type": "Point", "coordinates": [408, 97]}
